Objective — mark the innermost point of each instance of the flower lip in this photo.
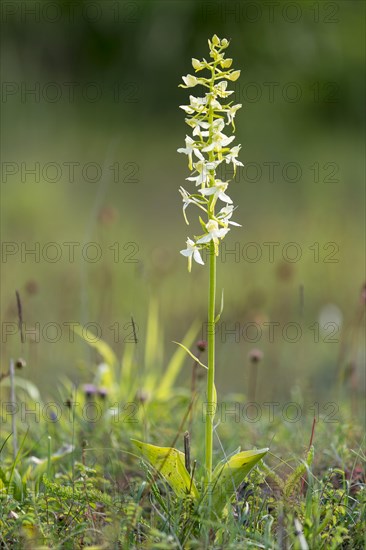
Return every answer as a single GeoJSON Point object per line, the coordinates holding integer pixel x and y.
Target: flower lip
{"type": "Point", "coordinates": [212, 225]}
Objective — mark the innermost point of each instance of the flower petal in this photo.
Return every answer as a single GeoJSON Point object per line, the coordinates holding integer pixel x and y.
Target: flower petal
{"type": "Point", "coordinates": [197, 257]}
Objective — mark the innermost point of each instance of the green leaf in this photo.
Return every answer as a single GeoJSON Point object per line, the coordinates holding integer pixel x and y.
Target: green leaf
{"type": "Point", "coordinates": [176, 363]}
{"type": "Point", "coordinates": [169, 462]}
{"type": "Point", "coordinates": [102, 347]}
{"type": "Point", "coordinates": [229, 475]}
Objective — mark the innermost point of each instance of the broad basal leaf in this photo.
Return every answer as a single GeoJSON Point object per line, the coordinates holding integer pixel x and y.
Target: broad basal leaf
{"type": "Point", "coordinates": [170, 464]}
{"type": "Point", "coordinates": [228, 475]}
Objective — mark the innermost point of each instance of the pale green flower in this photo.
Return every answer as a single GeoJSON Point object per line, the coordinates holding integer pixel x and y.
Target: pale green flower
{"type": "Point", "coordinates": [233, 76]}
{"type": "Point", "coordinates": [190, 81]}
{"type": "Point", "coordinates": [197, 64]}
{"type": "Point", "coordinates": [215, 40]}
{"type": "Point", "coordinates": [220, 89]}
{"type": "Point", "coordinates": [226, 63]}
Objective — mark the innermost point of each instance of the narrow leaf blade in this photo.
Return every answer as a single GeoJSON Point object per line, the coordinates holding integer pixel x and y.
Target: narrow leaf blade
{"type": "Point", "coordinates": [176, 363]}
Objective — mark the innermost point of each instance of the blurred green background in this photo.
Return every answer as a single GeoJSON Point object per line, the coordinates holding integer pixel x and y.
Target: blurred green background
{"type": "Point", "coordinates": [90, 103]}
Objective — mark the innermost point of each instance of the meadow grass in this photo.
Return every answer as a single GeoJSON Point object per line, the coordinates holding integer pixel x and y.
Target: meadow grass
{"type": "Point", "coordinates": [77, 482]}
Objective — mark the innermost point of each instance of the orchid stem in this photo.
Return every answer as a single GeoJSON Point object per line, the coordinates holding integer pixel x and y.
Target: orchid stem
{"type": "Point", "coordinates": [211, 401]}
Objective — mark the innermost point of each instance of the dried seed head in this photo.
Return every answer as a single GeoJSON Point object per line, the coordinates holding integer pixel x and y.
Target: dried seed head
{"type": "Point", "coordinates": [102, 392]}
{"type": "Point", "coordinates": [202, 345]}
{"type": "Point", "coordinates": [31, 287]}
{"type": "Point", "coordinates": [20, 363]}
{"type": "Point", "coordinates": [255, 355]}
{"type": "Point", "coordinates": [285, 271]}
{"type": "Point", "coordinates": [142, 396]}
{"type": "Point", "coordinates": [107, 215]}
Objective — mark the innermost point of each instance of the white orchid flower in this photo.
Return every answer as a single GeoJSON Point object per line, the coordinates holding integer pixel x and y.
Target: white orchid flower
{"type": "Point", "coordinates": [190, 81]}
{"type": "Point", "coordinates": [232, 157]}
{"type": "Point", "coordinates": [218, 190]}
{"type": "Point", "coordinates": [192, 252]}
{"type": "Point", "coordinates": [213, 234]}
{"type": "Point", "coordinates": [189, 149]}
{"type": "Point", "coordinates": [196, 104]}
{"type": "Point", "coordinates": [197, 125]}
{"type": "Point", "coordinates": [190, 199]}
{"type": "Point", "coordinates": [203, 168]}
{"type": "Point", "coordinates": [218, 140]}
{"type": "Point", "coordinates": [220, 89]}
{"type": "Point", "coordinates": [231, 112]}
{"type": "Point", "coordinates": [225, 214]}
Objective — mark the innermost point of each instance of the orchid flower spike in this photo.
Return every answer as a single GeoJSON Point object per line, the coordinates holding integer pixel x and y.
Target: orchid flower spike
{"type": "Point", "coordinates": [210, 118]}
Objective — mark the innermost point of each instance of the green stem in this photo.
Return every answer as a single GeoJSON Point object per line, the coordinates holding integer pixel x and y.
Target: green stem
{"type": "Point", "coordinates": [211, 404]}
